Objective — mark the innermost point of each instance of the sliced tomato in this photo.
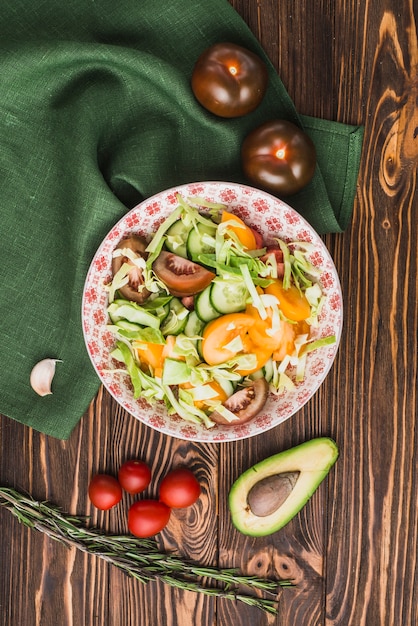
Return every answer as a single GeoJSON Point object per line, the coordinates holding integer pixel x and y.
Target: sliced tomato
{"type": "Point", "coordinates": [168, 351]}
{"type": "Point", "coordinates": [261, 333]}
{"type": "Point", "coordinates": [258, 239]}
{"type": "Point", "coordinates": [260, 336]}
{"type": "Point", "coordinates": [262, 355]}
{"type": "Point", "coordinates": [275, 251]}
{"type": "Point", "coordinates": [219, 336]}
{"type": "Point", "coordinates": [292, 303]}
{"type": "Point", "coordinates": [287, 343]}
{"type": "Point", "coordinates": [188, 302]}
{"type": "Point", "coordinates": [221, 332]}
{"type": "Point", "coordinates": [281, 342]}
{"type": "Point", "coordinates": [132, 291]}
{"type": "Point", "coordinates": [219, 394]}
{"type": "Point", "coordinates": [181, 276]}
{"type": "Point", "coordinates": [244, 233]}
{"type": "Point", "coordinates": [245, 403]}
{"type": "Point", "coordinates": [303, 328]}
{"type": "Point", "coordinates": [150, 354]}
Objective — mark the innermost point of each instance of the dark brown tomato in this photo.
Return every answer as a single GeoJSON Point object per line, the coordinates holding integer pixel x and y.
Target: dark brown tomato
{"type": "Point", "coordinates": [245, 403]}
{"type": "Point", "coordinates": [130, 291]}
{"type": "Point", "coordinates": [279, 157]}
{"type": "Point", "coordinates": [229, 80]}
{"type": "Point", "coordinates": [181, 276]}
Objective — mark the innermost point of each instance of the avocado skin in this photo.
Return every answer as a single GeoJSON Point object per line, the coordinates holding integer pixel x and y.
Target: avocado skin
{"type": "Point", "coordinates": [312, 459]}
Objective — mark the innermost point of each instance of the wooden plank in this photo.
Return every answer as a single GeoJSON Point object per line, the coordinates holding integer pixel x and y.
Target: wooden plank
{"type": "Point", "coordinates": [378, 538]}
{"type": "Point", "coordinates": [353, 548]}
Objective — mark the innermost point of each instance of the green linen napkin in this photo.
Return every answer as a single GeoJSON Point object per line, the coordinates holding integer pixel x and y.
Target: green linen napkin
{"type": "Point", "coordinates": [97, 114]}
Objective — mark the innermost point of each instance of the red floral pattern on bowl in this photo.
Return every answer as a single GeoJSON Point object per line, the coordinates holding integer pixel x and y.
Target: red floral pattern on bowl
{"type": "Point", "coordinates": [272, 218]}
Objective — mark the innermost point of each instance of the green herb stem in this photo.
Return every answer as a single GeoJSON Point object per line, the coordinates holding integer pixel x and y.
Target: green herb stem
{"type": "Point", "coordinates": [141, 558]}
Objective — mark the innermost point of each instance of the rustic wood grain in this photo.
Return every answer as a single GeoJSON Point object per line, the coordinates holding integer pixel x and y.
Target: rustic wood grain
{"type": "Point", "coordinates": [352, 550]}
{"type": "Point", "coordinates": [381, 544]}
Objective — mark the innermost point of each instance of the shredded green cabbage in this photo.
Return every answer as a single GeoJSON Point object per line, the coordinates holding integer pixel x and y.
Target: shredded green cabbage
{"type": "Point", "coordinates": [233, 264]}
{"type": "Point", "coordinates": [144, 385]}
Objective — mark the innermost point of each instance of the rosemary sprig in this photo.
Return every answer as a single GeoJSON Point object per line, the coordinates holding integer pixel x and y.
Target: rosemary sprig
{"type": "Point", "coordinates": [141, 558]}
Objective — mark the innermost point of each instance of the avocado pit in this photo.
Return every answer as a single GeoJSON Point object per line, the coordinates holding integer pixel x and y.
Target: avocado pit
{"type": "Point", "coordinates": [269, 493]}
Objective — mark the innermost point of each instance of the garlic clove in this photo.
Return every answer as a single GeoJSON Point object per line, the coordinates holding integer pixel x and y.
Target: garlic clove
{"type": "Point", "coordinates": [41, 376]}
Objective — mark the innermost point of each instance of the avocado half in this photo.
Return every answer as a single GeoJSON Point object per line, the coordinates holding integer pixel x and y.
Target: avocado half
{"type": "Point", "coordinates": [308, 464]}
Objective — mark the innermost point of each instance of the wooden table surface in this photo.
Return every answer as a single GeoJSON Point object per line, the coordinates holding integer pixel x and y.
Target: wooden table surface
{"type": "Point", "coordinates": [352, 551]}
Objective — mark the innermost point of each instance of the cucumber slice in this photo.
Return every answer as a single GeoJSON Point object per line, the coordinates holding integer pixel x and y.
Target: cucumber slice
{"type": "Point", "coordinates": [176, 238]}
{"type": "Point", "coordinates": [199, 349]}
{"type": "Point", "coordinates": [125, 325]}
{"type": "Point", "coordinates": [194, 325]}
{"type": "Point", "coordinates": [162, 312]}
{"type": "Point", "coordinates": [159, 306]}
{"type": "Point", "coordinates": [203, 305]}
{"type": "Point", "coordinates": [132, 313]}
{"type": "Point", "coordinates": [155, 303]}
{"type": "Point", "coordinates": [133, 332]}
{"type": "Point", "coordinates": [268, 370]}
{"type": "Point", "coordinates": [228, 296]}
{"type": "Point", "coordinates": [176, 320]}
{"type": "Point", "coordinates": [226, 385]}
{"type": "Point", "coordinates": [256, 375]}
{"type": "Point", "coordinates": [195, 243]}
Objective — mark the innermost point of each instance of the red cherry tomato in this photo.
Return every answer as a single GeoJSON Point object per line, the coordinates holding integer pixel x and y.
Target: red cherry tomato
{"type": "Point", "coordinates": [134, 476]}
{"type": "Point", "coordinates": [182, 277]}
{"type": "Point", "coordinates": [148, 517]}
{"type": "Point", "coordinates": [279, 157]}
{"type": "Point", "coordinates": [180, 488]}
{"type": "Point", "coordinates": [229, 80]}
{"type": "Point", "coordinates": [104, 491]}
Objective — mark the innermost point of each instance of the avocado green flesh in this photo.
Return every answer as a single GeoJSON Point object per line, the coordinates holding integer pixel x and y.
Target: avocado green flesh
{"type": "Point", "coordinates": [312, 459]}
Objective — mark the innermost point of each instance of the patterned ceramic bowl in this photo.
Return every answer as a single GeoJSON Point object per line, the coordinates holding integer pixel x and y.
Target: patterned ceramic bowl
{"type": "Point", "coordinates": [272, 218]}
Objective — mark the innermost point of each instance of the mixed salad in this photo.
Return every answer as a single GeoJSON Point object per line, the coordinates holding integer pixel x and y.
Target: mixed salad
{"type": "Point", "coordinates": [208, 319]}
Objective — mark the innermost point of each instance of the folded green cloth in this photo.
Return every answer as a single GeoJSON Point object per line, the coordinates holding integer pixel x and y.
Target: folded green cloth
{"type": "Point", "coordinates": [96, 114]}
